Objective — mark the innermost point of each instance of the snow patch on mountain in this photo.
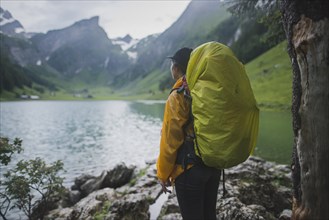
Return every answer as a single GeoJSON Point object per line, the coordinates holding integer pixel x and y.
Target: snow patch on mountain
{"type": "Point", "coordinates": [132, 54]}
{"type": "Point", "coordinates": [4, 20]}
{"type": "Point", "coordinates": [19, 30]}
{"type": "Point", "coordinates": [106, 62]}
{"type": "Point", "coordinates": [127, 43]}
{"type": "Point", "coordinates": [9, 25]}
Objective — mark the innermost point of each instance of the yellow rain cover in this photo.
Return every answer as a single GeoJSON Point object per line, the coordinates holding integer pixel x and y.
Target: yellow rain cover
{"type": "Point", "coordinates": [225, 111]}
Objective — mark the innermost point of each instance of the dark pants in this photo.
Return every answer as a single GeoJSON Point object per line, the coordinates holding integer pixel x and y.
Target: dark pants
{"type": "Point", "coordinates": [196, 191]}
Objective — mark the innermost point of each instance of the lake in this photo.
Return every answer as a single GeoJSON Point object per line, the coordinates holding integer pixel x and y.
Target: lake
{"type": "Point", "coordinates": [92, 136]}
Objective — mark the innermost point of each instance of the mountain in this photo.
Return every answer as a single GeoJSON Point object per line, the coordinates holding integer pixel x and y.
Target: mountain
{"type": "Point", "coordinates": [81, 51]}
{"type": "Point", "coordinates": [65, 59]}
{"type": "Point", "coordinates": [9, 25]}
{"type": "Point", "coordinates": [81, 57]}
{"type": "Point", "coordinates": [128, 45]}
{"type": "Point", "coordinates": [189, 30]}
{"type": "Point", "coordinates": [244, 36]}
{"type": "Point", "coordinates": [202, 21]}
{"type": "Point", "coordinates": [81, 47]}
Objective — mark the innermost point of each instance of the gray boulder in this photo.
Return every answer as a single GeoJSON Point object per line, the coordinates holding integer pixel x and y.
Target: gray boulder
{"type": "Point", "coordinates": [170, 209]}
{"type": "Point", "coordinates": [92, 184]}
{"type": "Point", "coordinates": [255, 190]}
{"type": "Point", "coordinates": [79, 181]}
{"type": "Point", "coordinates": [86, 184]}
{"type": "Point", "coordinates": [87, 207]}
{"type": "Point", "coordinates": [129, 207]}
{"type": "Point", "coordinates": [118, 176]}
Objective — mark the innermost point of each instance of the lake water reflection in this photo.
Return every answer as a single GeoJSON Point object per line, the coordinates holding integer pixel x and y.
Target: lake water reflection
{"type": "Point", "coordinates": [88, 136]}
{"type": "Point", "coordinates": [92, 136]}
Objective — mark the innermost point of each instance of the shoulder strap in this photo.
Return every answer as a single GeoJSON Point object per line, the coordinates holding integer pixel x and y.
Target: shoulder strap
{"type": "Point", "coordinates": [183, 88]}
{"type": "Point", "coordinates": [174, 89]}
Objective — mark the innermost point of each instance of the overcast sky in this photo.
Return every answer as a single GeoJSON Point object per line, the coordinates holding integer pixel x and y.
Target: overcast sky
{"type": "Point", "coordinates": [117, 17]}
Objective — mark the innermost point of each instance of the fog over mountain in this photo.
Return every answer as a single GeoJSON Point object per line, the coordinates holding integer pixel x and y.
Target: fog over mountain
{"type": "Point", "coordinates": [82, 52]}
{"type": "Point", "coordinates": [9, 25]}
{"type": "Point", "coordinates": [83, 46]}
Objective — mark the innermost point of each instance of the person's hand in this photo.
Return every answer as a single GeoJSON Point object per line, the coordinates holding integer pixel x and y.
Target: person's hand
{"type": "Point", "coordinates": [164, 185]}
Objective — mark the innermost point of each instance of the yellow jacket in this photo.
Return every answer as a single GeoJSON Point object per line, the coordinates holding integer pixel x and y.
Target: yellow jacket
{"type": "Point", "coordinates": [176, 115]}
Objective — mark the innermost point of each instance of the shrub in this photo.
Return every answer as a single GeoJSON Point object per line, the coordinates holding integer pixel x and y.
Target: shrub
{"type": "Point", "coordinates": [31, 186]}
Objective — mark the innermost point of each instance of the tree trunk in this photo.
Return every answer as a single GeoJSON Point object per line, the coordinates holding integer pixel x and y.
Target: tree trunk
{"type": "Point", "coordinates": [307, 28]}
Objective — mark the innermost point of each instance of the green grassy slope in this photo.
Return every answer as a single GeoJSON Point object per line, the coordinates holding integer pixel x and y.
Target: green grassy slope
{"type": "Point", "coordinates": [270, 75]}
{"type": "Point", "coordinates": [149, 84]}
{"type": "Point", "coordinates": [271, 78]}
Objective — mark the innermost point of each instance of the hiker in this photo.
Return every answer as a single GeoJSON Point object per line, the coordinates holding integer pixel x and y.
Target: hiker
{"type": "Point", "coordinates": [195, 183]}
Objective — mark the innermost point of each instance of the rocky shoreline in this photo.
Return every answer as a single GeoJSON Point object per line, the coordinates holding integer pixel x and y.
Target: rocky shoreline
{"type": "Point", "coordinates": [255, 190]}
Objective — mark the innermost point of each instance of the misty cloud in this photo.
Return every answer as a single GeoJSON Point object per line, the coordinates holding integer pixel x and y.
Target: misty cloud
{"type": "Point", "coordinates": [118, 18]}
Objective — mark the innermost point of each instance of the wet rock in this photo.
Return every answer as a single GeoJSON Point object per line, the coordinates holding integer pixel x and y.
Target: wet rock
{"type": "Point", "coordinates": [79, 181]}
{"type": "Point", "coordinates": [126, 202]}
{"type": "Point", "coordinates": [86, 208]}
{"type": "Point", "coordinates": [60, 214]}
{"type": "Point", "coordinates": [151, 162]}
{"type": "Point", "coordinates": [285, 215]}
{"type": "Point", "coordinates": [266, 185]}
{"type": "Point", "coordinates": [232, 208]}
{"type": "Point", "coordinates": [255, 190]}
{"type": "Point", "coordinates": [118, 176]}
{"type": "Point", "coordinates": [70, 198]}
{"type": "Point", "coordinates": [145, 182]}
{"type": "Point", "coordinates": [171, 216]}
{"type": "Point", "coordinates": [86, 184]}
{"type": "Point", "coordinates": [170, 209]}
{"type": "Point", "coordinates": [149, 185]}
{"type": "Point", "coordinates": [92, 184]}
{"type": "Point", "coordinates": [129, 207]}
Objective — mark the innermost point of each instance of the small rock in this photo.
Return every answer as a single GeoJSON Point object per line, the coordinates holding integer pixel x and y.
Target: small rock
{"type": "Point", "coordinates": [71, 197]}
{"type": "Point", "coordinates": [79, 181]}
{"type": "Point", "coordinates": [151, 162]}
{"type": "Point", "coordinates": [169, 208]}
{"type": "Point", "coordinates": [92, 185]}
{"type": "Point", "coordinates": [285, 215]}
{"type": "Point", "coordinates": [171, 216]}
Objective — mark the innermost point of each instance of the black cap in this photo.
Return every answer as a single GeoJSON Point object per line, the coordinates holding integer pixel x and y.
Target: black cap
{"type": "Point", "coordinates": [181, 57]}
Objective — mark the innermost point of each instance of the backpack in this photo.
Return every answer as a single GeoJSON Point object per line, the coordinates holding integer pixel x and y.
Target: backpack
{"type": "Point", "coordinates": [224, 109]}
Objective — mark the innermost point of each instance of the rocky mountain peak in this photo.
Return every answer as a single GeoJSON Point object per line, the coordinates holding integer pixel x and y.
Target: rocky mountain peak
{"type": "Point", "coordinates": [9, 25]}
{"type": "Point", "coordinates": [128, 45]}
{"type": "Point", "coordinates": [5, 14]}
{"type": "Point", "coordinates": [93, 21]}
{"type": "Point", "coordinates": [127, 38]}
